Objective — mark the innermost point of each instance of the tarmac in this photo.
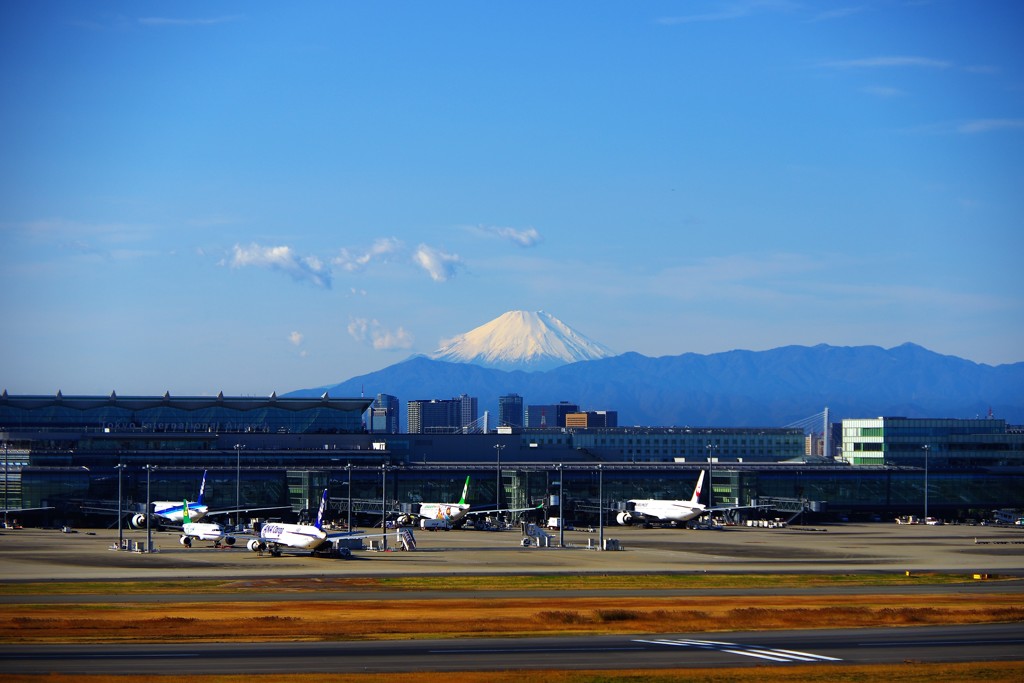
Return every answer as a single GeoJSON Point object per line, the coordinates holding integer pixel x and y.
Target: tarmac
{"type": "Point", "coordinates": [92, 554]}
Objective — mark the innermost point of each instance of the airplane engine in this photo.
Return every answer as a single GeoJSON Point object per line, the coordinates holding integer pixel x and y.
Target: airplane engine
{"type": "Point", "coordinates": [229, 540]}
{"type": "Point", "coordinates": [624, 518]}
{"type": "Point", "coordinates": [256, 545]}
{"type": "Point", "coordinates": [405, 520]}
{"type": "Point", "coordinates": [186, 541]}
{"type": "Point", "coordinates": [138, 521]}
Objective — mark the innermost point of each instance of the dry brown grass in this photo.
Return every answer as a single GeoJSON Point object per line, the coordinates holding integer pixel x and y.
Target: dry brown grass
{"type": "Point", "coordinates": [908, 672]}
{"type": "Point", "coordinates": [387, 619]}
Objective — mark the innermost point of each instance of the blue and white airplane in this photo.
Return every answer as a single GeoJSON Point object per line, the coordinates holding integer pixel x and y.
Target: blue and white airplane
{"type": "Point", "coordinates": [276, 536]}
{"type": "Point", "coordinates": [173, 511]}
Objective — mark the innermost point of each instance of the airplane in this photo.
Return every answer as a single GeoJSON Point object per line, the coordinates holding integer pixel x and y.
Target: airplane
{"type": "Point", "coordinates": [670, 511]}
{"type": "Point", "coordinates": [173, 511]}
{"type": "Point", "coordinates": [14, 525]}
{"type": "Point", "coordinates": [274, 536]}
{"type": "Point", "coordinates": [453, 513]}
{"type": "Point", "coordinates": [202, 531]}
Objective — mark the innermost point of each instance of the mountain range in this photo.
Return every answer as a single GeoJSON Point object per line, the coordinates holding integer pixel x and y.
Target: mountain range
{"type": "Point", "coordinates": [731, 389]}
{"type": "Point", "coordinates": [736, 388]}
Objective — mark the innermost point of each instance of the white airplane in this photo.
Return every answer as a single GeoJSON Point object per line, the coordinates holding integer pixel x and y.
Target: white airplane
{"type": "Point", "coordinates": [202, 531]}
{"type": "Point", "coordinates": [453, 512]}
{"type": "Point", "coordinates": [274, 536]}
{"type": "Point", "coordinates": [670, 511]}
{"type": "Point", "coordinates": [173, 512]}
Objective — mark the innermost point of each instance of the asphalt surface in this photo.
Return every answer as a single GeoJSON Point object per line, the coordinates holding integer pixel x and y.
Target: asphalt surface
{"type": "Point", "coordinates": [993, 553]}
{"type": "Point", "coordinates": [994, 642]}
{"type": "Point", "coordinates": [35, 554]}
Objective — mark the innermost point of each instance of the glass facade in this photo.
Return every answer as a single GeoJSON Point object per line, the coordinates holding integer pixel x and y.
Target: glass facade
{"type": "Point", "coordinates": [949, 443]}
{"type": "Point", "coordinates": [692, 445]}
{"type": "Point", "coordinates": [287, 450]}
{"type": "Point", "coordinates": [189, 414]}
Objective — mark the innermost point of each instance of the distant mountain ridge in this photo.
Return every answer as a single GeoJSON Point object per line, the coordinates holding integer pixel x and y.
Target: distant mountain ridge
{"type": "Point", "coordinates": [522, 340]}
{"type": "Point", "coordinates": [730, 389]}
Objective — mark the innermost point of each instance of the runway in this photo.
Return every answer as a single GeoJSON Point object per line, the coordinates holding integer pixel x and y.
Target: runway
{"type": "Point", "coordinates": [639, 651]}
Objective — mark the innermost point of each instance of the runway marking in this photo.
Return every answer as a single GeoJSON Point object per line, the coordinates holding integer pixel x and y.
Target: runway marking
{"type": "Point", "coordinates": [771, 654]}
{"type": "Point", "coordinates": [534, 649]}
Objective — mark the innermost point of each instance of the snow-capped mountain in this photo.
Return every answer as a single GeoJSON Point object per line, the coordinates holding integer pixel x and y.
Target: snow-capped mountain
{"type": "Point", "coordinates": [522, 340]}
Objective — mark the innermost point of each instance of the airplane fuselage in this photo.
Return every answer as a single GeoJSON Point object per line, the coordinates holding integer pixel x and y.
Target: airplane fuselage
{"type": "Point", "coordinates": [174, 512]}
{"type": "Point", "coordinates": [450, 512]}
{"type": "Point", "coordinates": [203, 531]}
{"type": "Point", "coordinates": [302, 536]}
{"type": "Point", "coordinates": [667, 510]}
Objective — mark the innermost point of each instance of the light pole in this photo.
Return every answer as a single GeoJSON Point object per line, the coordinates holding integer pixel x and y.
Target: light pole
{"type": "Point", "coordinates": [6, 504]}
{"type": "Point", "coordinates": [600, 506]}
{"type": "Point", "coordinates": [120, 525]}
{"type": "Point", "coordinates": [497, 484]}
{"type": "Point", "coordinates": [384, 506]}
{"type": "Point", "coordinates": [712, 449]}
{"type": "Point", "coordinates": [238, 480]}
{"type": "Point", "coordinates": [561, 518]}
{"type": "Point", "coordinates": [149, 512]}
{"type": "Point", "coordinates": [926, 448]}
{"type": "Point", "coordinates": [348, 468]}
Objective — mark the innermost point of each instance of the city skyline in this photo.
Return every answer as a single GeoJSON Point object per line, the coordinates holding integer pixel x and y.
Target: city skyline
{"type": "Point", "coordinates": [250, 198]}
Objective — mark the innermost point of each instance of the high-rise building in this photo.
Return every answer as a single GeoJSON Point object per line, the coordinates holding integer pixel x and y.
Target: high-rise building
{"type": "Point", "coordinates": [468, 410]}
{"type": "Point", "coordinates": [510, 410]}
{"type": "Point", "coordinates": [593, 419]}
{"type": "Point", "coordinates": [441, 416]}
{"type": "Point", "coordinates": [549, 416]}
{"type": "Point", "coordinates": [384, 415]}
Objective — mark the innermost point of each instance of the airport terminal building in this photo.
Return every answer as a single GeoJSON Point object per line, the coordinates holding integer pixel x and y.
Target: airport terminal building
{"type": "Point", "coordinates": [77, 452]}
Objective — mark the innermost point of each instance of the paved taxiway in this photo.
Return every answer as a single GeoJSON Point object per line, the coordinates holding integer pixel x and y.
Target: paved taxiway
{"type": "Point", "coordinates": [38, 554]}
{"type": "Point", "coordinates": [987, 642]}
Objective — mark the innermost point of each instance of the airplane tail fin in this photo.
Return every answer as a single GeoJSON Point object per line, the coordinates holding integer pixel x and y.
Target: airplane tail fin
{"type": "Point", "coordinates": [202, 488]}
{"type": "Point", "coordinates": [465, 492]}
{"type": "Point", "coordinates": [696, 491]}
{"type": "Point", "coordinates": [320, 514]}
{"type": "Point", "coordinates": [185, 518]}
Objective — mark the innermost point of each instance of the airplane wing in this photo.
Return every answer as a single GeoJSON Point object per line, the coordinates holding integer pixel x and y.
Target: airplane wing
{"type": "Point", "coordinates": [355, 534]}
{"type": "Point", "coordinates": [24, 509]}
{"type": "Point", "coordinates": [491, 512]}
{"type": "Point", "coordinates": [210, 513]}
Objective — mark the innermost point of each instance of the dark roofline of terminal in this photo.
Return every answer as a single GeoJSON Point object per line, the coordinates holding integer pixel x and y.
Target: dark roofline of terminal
{"type": "Point", "coordinates": [184, 402]}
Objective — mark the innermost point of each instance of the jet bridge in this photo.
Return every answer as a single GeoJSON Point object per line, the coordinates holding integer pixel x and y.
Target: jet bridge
{"type": "Point", "coordinates": [794, 507]}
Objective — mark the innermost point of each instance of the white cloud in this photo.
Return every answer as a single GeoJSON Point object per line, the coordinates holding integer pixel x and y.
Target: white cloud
{"type": "Point", "coordinates": [734, 10]}
{"type": "Point", "coordinates": [167, 21]}
{"type": "Point", "coordinates": [524, 238]}
{"type": "Point", "coordinates": [282, 258]}
{"type": "Point", "coordinates": [295, 338]}
{"type": "Point", "coordinates": [888, 62]}
{"type": "Point", "coordinates": [372, 332]}
{"type": "Point", "coordinates": [882, 91]}
{"type": "Point", "coordinates": [438, 264]}
{"type": "Point", "coordinates": [990, 125]}
{"type": "Point", "coordinates": [839, 13]}
{"type": "Point", "coordinates": [352, 262]}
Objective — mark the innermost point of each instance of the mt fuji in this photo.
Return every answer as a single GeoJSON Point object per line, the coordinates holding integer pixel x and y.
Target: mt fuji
{"type": "Point", "coordinates": [522, 340]}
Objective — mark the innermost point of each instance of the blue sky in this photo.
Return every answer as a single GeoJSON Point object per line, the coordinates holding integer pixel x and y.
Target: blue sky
{"type": "Point", "coordinates": [253, 197]}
